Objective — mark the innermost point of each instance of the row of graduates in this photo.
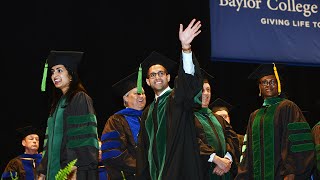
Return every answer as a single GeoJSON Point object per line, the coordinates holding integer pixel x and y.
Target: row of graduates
{"type": "Point", "coordinates": [173, 127]}
{"type": "Point", "coordinates": [176, 136]}
{"type": "Point", "coordinates": [180, 137]}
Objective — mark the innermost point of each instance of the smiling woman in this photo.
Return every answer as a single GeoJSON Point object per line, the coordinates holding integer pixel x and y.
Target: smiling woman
{"type": "Point", "coordinates": [72, 126]}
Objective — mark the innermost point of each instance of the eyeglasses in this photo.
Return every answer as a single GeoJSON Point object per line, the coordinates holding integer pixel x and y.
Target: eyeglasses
{"type": "Point", "coordinates": [153, 75]}
{"type": "Point", "coordinates": [225, 116]}
{"type": "Point", "coordinates": [272, 82]}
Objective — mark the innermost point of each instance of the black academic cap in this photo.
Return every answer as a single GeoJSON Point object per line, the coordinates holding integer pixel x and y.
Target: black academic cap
{"type": "Point", "coordinates": [157, 58]}
{"type": "Point", "coordinates": [69, 59]}
{"type": "Point", "coordinates": [126, 84]}
{"type": "Point", "coordinates": [219, 103]}
{"type": "Point", "coordinates": [27, 130]}
{"type": "Point", "coordinates": [263, 70]}
{"type": "Point", "coordinates": [206, 75]}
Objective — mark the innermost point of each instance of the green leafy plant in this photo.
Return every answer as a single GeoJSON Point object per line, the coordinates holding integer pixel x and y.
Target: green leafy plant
{"type": "Point", "coordinates": [13, 178]}
{"type": "Point", "coordinates": [63, 173]}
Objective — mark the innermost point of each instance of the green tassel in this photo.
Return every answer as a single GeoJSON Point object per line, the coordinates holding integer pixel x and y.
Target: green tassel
{"type": "Point", "coordinates": [139, 80]}
{"type": "Point", "coordinates": [123, 176]}
{"type": "Point", "coordinates": [44, 77]}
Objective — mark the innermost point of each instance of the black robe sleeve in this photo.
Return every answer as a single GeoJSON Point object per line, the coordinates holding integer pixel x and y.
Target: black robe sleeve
{"type": "Point", "coordinates": [183, 155]}
{"type": "Point", "coordinates": [81, 106]}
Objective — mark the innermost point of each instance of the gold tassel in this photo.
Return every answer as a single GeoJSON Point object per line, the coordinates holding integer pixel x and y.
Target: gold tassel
{"type": "Point", "coordinates": [44, 77]}
{"type": "Point", "coordinates": [278, 79]}
{"type": "Point", "coordinates": [139, 80]}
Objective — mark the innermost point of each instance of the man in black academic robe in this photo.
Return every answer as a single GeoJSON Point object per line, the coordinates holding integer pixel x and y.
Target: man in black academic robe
{"type": "Point", "coordinates": [167, 139]}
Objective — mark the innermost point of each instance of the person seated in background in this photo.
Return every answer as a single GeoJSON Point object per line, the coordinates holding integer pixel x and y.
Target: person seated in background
{"type": "Point", "coordinates": [23, 167]}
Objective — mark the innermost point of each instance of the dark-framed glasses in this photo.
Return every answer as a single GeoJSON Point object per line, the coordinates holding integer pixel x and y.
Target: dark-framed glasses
{"type": "Point", "coordinates": [271, 82]}
{"type": "Point", "coordinates": [159, 73]}
{"type": "Point", "coordinates": [225, 116]}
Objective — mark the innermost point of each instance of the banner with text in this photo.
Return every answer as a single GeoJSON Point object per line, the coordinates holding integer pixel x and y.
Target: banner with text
{"type": "Point", "coordinates": [258, 31]}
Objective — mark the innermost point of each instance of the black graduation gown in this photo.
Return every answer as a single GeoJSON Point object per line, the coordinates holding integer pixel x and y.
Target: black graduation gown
{"type": "Point", "coordinates": [279, 131]}
{"type": "Point", "coordinates": [72, 134]}
{"type": "Point", "coordinates": [174, 133]}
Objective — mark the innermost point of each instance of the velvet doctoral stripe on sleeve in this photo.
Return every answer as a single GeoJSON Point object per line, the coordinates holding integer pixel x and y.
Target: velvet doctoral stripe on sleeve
{"type": "Point", "coordinates": [280, 132]}
{"type": "Point", "coordinates": [81, 135]}
{"type": "Point", "coordinates": [119, 144]}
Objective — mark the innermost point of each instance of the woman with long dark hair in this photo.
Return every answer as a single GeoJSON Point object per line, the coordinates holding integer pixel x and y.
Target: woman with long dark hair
{"type": "Point", "coordinates": [71, 134]}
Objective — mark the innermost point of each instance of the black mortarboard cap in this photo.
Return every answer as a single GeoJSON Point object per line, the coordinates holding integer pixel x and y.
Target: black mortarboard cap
{"type": "Point", "coordinates": [206, 75]}
{"type": "Point", "coordinates": [157, 58]}
{"type": "Point", "coordinates": [126, 84]}
{"type": "Point", "coordinates": [27, 130]}
{"type": "Point", "coordinates": [219, 103]}
{"type": "Point", "coordinates": [264, 70]}
{"type": "Point", "coordinates": [69, 59]}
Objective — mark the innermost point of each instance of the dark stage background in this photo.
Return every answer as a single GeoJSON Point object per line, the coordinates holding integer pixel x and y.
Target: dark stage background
{"type": "Point", "coordinates": [116, 36]}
